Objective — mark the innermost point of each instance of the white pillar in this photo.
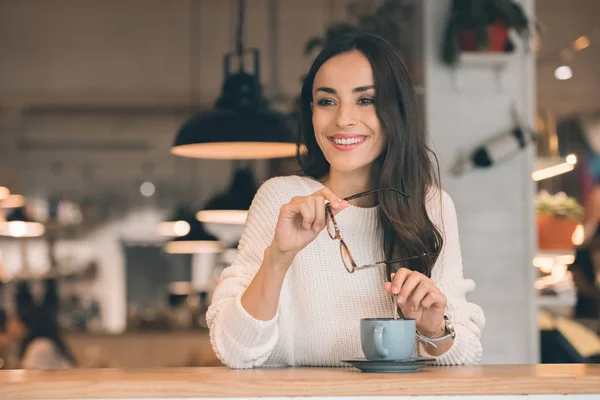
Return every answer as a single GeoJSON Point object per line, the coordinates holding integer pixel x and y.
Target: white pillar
{"type": "Point", "coordinates": [495, 206]}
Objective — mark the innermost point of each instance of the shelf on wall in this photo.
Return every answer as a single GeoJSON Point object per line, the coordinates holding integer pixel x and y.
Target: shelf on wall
{"type": "Point", "coordinates": [485, 60]}
{"type": "Point", "coordinates": [496, 62]}
{"type": "Point", "coordinates": [555, 253]}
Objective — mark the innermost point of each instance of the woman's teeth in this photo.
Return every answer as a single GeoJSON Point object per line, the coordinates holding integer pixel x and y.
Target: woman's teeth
{"type": "Point", "coordinates": [348, 141]}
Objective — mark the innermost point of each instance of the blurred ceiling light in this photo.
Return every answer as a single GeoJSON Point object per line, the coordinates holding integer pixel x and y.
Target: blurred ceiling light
{"type": "Point", "coordinates": [563, 73]}
{"type": "Point", "coordinates": [147, 189]}
{"type": "Point", "coordinates": [544, 263]}
{"type": "Point", "coordinates": [583, 42]}
{"type": "Point", "coordinates": [555, 170]}
{"type": "Point", "coordinates": [13, 201]}
{"type": "Point", "coordinates": [578, 236]}
{"type": "Point", "coordinates": [4, 193]}
{"type": "Point", "coordinates": [231, 207]}
{"type": "Point", "coordinates": [197, 240]}
{"type": "Point", "coordinates": [177, 223]}
{"type": "Point", "coordinates": [173, 228]}
{"type": "Point", "coordinates": [559, 271]}
{"type": "Point", "coordinates": [230, 217]}
{"type": "Point", "coordinates": [19, 225]}
{"type": "Point", "coordinates": [565, 259]}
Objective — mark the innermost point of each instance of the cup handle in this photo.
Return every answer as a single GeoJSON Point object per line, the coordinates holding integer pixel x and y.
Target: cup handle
{"type": "Point", "coordinates": [378, 341]}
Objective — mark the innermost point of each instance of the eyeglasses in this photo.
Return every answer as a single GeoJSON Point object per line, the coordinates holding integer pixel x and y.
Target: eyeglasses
{"type": "Point", "coordinates": [334, 233]}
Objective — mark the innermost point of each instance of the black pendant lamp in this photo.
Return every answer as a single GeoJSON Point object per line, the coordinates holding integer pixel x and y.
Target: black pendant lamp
{"type": "Point", "coordinates": [197, 240]}
{"type": "Point", "coordinates": [19, 225]}
{"type": "Point", "coordinates": [231, 206]}
{"type": "Point", "coordinates": [176, 225]}
{"type": "Point", "coordinates": [241, 126]}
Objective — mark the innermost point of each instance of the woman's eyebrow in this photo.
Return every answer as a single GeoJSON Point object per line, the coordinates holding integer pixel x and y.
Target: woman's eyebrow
{"type": "Point", "coordinates": [355, 90]}
{"type": "Point", "coordinates": [363, 88]}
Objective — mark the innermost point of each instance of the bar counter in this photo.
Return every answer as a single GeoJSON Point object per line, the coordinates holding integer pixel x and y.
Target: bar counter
{"type": "Point", "coordinates": [478, 381]}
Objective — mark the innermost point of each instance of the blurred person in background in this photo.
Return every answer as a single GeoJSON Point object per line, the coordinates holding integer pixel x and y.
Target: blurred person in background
{"type": "Point", "coordinates": [36, 329]}
{"type": "Point", "coordinates": [585, 270]}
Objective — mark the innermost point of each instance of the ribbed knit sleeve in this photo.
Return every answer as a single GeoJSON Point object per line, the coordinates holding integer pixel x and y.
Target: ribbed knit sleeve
{"type": "Point", "coordinates": [447, 275]}
{"type": "Point", "coordinates": [238, 339]}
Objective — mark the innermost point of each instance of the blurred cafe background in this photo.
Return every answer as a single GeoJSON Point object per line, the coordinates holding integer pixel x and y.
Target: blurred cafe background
{"type": "Point", "coordinates": [134, 135]}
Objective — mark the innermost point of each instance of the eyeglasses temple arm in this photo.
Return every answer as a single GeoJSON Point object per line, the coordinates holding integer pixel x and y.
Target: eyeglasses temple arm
{"type": "Point", "coordinates": [374, 191]}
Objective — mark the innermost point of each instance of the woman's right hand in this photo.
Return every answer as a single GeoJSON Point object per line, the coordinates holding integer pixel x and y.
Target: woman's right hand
{"type": "Point", "coordinates": [302, 219]}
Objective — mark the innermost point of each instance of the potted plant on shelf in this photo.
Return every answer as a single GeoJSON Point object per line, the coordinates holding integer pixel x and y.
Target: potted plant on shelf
{"type": "Point", "coordinates": [557, 218]}
{"type": "Point", "coordinates": [483, 26]}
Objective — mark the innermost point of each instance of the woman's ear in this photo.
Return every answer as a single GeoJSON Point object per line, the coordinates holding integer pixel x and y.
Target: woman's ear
{"type": "Point", "coordinates": [311, 106]}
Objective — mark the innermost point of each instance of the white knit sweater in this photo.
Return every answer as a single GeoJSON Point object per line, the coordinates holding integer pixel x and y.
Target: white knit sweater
{"type": "Point", "coordinates": [321, 304]}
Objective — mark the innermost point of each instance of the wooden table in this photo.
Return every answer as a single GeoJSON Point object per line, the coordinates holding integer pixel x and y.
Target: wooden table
{"type": "Point", "coordinates": [476, 382]}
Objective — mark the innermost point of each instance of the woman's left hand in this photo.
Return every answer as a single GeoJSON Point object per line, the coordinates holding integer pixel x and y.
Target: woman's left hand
{"type": "Point", "coordinates": [419, 299]}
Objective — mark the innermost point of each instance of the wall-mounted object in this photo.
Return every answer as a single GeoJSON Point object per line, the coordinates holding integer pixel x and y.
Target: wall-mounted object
{"type": "Point", "coordinates": [482, 26]}
{"type": "Point", "coordinates": [493, 151]}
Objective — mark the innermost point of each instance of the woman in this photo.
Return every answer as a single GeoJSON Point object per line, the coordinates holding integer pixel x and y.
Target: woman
{"type": "Point", "coordinates": [288, 299]}
{"type": "Point", "coordinates": [584, 270]}
{"type": "Point", "coordinates": [36, 326]}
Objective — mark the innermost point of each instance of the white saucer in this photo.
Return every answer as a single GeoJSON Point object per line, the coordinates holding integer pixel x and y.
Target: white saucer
{"type": "Point", "coordinates": [414, 364]}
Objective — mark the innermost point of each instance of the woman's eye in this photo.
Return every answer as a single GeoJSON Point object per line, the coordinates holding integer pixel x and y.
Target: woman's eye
{"type": "Point", "coordinates": [325, 102]}
{"type": "Point", "coordinates": [366, 101]}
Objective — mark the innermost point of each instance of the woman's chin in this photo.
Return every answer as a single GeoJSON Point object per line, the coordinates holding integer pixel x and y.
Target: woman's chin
{"type": "Point", "coordinates": [347, 168]}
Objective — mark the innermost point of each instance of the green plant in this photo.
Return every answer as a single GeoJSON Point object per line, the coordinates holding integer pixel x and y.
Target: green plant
{"type": "Point", "coordinates": [477, 16]}
{"type": "Point", "coordinates": [559, 205]}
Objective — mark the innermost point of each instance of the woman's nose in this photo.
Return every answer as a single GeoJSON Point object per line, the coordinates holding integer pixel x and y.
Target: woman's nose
{"type": "Point", "coordinates": [345, 118]}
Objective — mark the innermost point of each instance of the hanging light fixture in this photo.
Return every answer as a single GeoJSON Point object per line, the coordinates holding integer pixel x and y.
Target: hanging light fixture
{"type": "Point", "coordinates": [13, 201]}
{"type": "Point", "coordinates": [4, 193]}
{"type": "Point", "coordinates": [176, 225]}
{"type": "Point", "coordinates": [231, 207]}
{"type": "Point", "coordinates": [196, 241]}
{"type": "Point", "coordinates": [241, 126]}
{"type": "Point", "coordinates": [19, 225]}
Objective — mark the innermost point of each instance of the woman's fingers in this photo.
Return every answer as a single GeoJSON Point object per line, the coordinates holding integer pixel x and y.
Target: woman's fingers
{"type": "Point", "coordinates": [319, 222]}
{"type": "Point", "coordinates": [409, 284]}
{"type": "Point", "coordinates": [422, 289]}
{"type": "Point", "coordinates": [307, 210]}
{"type": "Point", "coordinates": [434, 299]}
{"type": "Point", "coordinates": [337, 204]}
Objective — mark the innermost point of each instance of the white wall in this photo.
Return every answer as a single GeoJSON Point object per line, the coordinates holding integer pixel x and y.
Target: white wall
{"type": "Point", "coordinates": [495, 206]}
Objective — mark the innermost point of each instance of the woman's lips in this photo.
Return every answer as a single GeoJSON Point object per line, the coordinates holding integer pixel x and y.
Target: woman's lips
{"type": "Point", "coordinates": [344, 138]}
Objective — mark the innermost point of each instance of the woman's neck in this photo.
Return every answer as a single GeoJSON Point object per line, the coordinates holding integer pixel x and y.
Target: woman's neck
{"type": "Point", "coordinates": [345, 184]}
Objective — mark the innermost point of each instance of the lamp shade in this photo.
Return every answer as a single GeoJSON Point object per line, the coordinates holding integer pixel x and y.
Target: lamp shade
{"type": "Point", "coordinates": [177, 223]}
{"type": "Point", "coordinates": [241, 126]}
{"type": "Point", "coordinates": [196, 241]}
{"type": "Point", "coordinates": [13, 201]}
{"type": "Point", "coordinates": [4, 192]}
{"type": "Point", "coordinates": [231, 207]}
{"type": "Point", "coordinates": [19, 225]}
{"type": "Point", "coordinates": [236, 135]}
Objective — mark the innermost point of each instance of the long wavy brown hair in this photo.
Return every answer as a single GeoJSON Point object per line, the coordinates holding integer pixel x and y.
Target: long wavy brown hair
{"type": "Point", "coordinates": [407, 163]}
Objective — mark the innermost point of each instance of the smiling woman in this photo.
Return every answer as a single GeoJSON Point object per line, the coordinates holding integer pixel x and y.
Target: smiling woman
{"type": "Point", "coordinates": [298, 288]}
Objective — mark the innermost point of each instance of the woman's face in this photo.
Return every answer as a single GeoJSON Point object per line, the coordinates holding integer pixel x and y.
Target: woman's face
{"type": "Point", "coordinates": [344, 119]}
